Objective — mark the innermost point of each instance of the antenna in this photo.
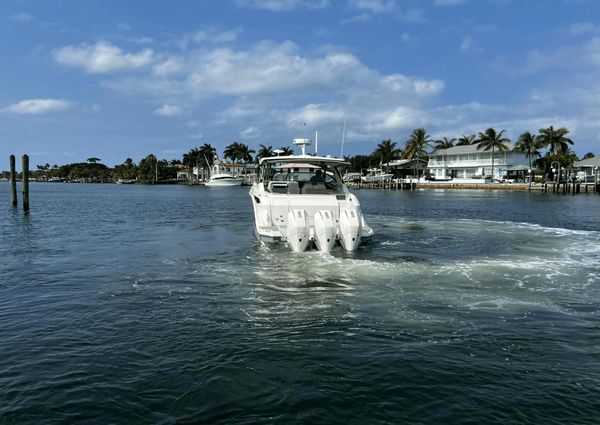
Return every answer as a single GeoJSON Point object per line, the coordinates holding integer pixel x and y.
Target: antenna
{"type": "Point", "coordinates": [303, 143]}
{"type": "Point", "coordinates": [316, 143]}
{"type": "Point", "coordinates": [343, 137]}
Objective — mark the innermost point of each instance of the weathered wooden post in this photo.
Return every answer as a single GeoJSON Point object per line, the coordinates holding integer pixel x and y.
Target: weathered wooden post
{"type": "Point", "coordinates": [13, 180]}
{"type": "Point", "coordinates": [25, 183]}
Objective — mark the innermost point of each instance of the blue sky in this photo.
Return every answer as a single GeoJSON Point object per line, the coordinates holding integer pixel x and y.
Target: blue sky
{"type": "Point", "coordinates": [115, 79]}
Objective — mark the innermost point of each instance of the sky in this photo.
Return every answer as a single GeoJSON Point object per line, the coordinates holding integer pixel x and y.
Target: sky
{"type": "Point", "coordinates": [114, 79]}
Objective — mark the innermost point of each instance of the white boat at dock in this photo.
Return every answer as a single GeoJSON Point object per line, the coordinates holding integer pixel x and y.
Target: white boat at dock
{"type": "Point", "coordinates": [302, 200]}
{"type": "Point", "coordinates": [376, 175]}
{"type": "Point", "coordinates": [220, 178]}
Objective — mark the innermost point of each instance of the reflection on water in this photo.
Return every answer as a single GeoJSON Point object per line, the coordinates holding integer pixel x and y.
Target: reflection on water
{"type": "Point", "coordinates": [156, 304]}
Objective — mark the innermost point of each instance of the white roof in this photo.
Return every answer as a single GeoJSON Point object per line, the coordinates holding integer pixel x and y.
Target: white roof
{"type": "Point", "coordinates": [590, 162]}
{"type": "Point", "coordinates": [310, 159]}
{"type": "Point", "coordinates": [297, 165]}
{"type": "Point", "coordinates": [463, 149]}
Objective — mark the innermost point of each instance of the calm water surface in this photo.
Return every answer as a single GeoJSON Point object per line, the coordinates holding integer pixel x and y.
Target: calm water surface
{"type": "Point", "coordinates": [140, 304]}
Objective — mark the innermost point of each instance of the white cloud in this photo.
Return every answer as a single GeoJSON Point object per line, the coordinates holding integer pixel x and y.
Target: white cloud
{"type": "Point", "coordinates": [583, 28]}
{"type": "Point", "coordinates": [405, 37]}
{"type": "Point", "coordinates": [315, 115]}
{"type": "Point", "coordinates": [448, 2]}
{"type": "Point", "coordinates": [278, 86]}
{"type": "Point", "coordinates": [141, 40]}
{"type": "Point", "coordinates": [401, 117]}
{"type": "Point", "coordinates": [249, 132]}
{"type": "Point", "coordinates": [102, 57]}
{"type": "Point", "coordinates": [38, 106]}
{"type": "Point", "coordinates": [22, 17]}
{"type": "Point", "coordinates": [412, 15]}
{"type": "Point", "coordinates": [169, 66]}
{"type": "Point", "coordinates": [402, 84]}
{"type": "Point", "coordinates": [467, 45]}
{"type": "Point", "coordinates": [209, 35]}
{"type": "Point", "coordinates": [283, 5]}
{"type": "Point", "coordinates": [359, 19]}
{"type": "Point", "coordinates": [168, 111]}
{"type": "Point", "coordinates": [269, 67]}
{"type": "Point", "coordinates": [375, 6]}
{"type": "Point", "coordinates": [123, 27]}
{"type": "Point", "coordinates": [571, 57]}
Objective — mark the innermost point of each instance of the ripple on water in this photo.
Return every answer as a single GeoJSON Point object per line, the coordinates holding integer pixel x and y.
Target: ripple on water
{"type": "Point", "coordinates": [178, 315]}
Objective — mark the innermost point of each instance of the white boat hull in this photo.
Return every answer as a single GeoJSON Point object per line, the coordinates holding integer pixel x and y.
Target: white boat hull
{"type": "Point", "coordinates": [302, 201]}
{"type": "Point", "coordinates": [224, 183]}
{"type": "Point", "coordinates": [310, 221]}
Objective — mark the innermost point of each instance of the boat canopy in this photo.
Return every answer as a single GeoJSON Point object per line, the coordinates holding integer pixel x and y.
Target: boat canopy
{"type": "Point", "coordinates": [304, 159]}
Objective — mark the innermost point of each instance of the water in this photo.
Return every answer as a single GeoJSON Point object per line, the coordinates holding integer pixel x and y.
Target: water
{"type": "Point", "coordinates": [139, 304]}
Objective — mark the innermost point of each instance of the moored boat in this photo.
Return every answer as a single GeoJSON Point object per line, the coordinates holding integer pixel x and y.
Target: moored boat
{"type": "Point", "coordinates": [220, 178]}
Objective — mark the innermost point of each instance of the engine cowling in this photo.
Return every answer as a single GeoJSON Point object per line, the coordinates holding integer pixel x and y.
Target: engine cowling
{"type": "Point", "coordinates": [350, 227]}
{"type": "Point", "coordinates": [324, 230]}
{"type": "Point", "coordinates": [297, 230]}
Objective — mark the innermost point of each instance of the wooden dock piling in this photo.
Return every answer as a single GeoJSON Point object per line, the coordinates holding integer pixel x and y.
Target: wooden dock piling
{"type": "Point", "coordinates": [25, 171]}
{"type": "Point", "coordinates": [13, 180]}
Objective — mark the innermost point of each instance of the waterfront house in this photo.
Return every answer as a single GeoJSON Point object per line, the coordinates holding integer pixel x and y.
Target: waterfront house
{"type": "Point", "coordinates": [201, 173]}
{"type": "Point", "coordinates": [407, 167]}
{"type": "Point", "coordinates": [588, 169]}
{"type": "Point", "coordinates": [468, 164]}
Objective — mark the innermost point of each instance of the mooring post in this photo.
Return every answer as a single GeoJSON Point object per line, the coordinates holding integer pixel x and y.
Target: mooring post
{"type": "Point", "coordinates": [25, 183]}
{"type": "Point", "coordinates": [13, 180]}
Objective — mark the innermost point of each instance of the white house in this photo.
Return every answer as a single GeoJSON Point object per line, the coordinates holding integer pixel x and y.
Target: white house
{"type": "Point", "coordinates": [472, 164]}
{"type": "Point", "coordinates": [589, 169]}
{"type": "Point", "coordinates": [201, 173]}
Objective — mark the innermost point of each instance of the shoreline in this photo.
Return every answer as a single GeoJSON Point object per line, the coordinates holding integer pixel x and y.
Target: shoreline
{"type": "Point", "coordinates": [521, 187]}
{"type": "Point", "coordinates": [509, 187]}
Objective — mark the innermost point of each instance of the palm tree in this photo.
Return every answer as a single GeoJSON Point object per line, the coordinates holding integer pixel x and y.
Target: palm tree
{"type": "Point", "coordinates": [414, 147]}
{"type": "Point", "coordinates": [264, 152]}
{"type": "Point", "coordinates": [386, 151]}
{"type": "Point", "coordinates": [443, 143]}
{"type": "Point", "coordinates": [285, 151]}
{"type": "Point", "coordinates": [245, 153]}
{"type": "Point", "coordinates": [466, 140]}
{"type": "Point", "coordinates": [529, 144]}
{"type": "Point", "coordinates": [191, 158]}
{"type": "Point", "coordinates": [492, 140]}
{"type": "Point", "coordinates": [555, 139]}
{"type": "Point", "coordinates": [147, 169]}
{"type": "Point", "coordinates": [232, 151]}
{"type": "Point", "coordinates": [206, 154]}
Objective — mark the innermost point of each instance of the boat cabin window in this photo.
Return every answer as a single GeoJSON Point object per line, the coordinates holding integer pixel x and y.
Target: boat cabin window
{"type": "Point", "coordinates": [314, 178]}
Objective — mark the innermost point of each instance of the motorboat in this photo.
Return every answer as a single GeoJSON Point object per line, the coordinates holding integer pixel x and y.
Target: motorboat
{"type": "Point", "coordinates": [302, 201]}
{"type": "Point", "coordinates": [220, 178]}
{"type": "Point", "coordinates": [376, 175]}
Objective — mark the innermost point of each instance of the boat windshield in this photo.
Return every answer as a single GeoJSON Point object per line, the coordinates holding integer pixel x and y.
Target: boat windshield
{"type": "Point", "coordinates": [300, 178]}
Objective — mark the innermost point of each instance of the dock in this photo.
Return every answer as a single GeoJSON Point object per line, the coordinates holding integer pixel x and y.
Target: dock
{"type": "Point", "coordinates": [552, 187]}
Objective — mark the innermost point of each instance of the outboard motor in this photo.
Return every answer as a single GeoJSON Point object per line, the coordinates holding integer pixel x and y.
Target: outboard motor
{"type": "Point", "coordinates": [297, 230]}
{"type": "Point", "coordinates": [324, 226]}
{"type": "Point", "coordinates": [350, 228]}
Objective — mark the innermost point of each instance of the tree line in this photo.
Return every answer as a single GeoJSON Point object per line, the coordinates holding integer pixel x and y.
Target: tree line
{"type": "Point", "coordinates": [419, 146]}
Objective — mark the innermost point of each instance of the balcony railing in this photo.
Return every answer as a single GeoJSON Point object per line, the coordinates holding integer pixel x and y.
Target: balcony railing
{"type": "Point", "coordinates": [468, 163]}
